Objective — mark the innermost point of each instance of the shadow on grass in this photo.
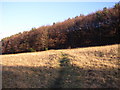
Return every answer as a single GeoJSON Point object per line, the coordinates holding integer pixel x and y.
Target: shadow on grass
{"type": "Point", "coordinates": [68, 76]}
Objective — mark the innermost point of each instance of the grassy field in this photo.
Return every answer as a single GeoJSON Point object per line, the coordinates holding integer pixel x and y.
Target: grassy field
{"type": "Point", "coordinates": [92, 67]}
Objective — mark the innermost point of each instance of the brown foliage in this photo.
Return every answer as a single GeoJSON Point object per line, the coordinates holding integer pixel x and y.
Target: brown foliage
{"type": "Point", "coordinates": [97, 28]}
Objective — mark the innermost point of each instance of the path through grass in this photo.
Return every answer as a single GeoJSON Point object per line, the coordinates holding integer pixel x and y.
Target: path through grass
{"type": "Point", "coordinates": [67, 74]}
{"type": "Point", "coordinates": [64, 63]}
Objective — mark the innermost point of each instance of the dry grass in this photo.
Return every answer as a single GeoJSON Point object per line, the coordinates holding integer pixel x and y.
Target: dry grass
{"type": "Point", "coordinates": [93, 67]}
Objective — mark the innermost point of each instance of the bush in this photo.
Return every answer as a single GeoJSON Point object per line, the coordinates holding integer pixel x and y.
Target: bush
{"type": "Point", "coordinates": [46, 49]}
{"type": "Point", "coordinates": [32, 50]}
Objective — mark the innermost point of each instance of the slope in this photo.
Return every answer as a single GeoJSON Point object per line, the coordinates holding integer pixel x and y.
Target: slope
{"type": "Point", "coordinates": [93, 67]}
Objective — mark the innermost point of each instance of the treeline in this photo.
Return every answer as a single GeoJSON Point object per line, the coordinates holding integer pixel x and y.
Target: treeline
{"type": "Point", "coordinates": [99, 28]}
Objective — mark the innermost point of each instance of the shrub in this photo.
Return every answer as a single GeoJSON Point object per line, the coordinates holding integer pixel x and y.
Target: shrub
{"type": "Point", "coordinates": [32, 50]}
{"type": "Point", "coordinates": [46, 49]}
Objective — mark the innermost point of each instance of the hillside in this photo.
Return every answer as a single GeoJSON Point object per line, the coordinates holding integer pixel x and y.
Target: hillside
{"type": "Point", "coordinates": [98, 28]}
{"type": "Point", "coordinates": [93, 67]}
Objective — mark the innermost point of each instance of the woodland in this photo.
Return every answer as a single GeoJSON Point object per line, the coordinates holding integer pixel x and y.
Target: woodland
{"type": "Point", "coordinates": [94, 29]}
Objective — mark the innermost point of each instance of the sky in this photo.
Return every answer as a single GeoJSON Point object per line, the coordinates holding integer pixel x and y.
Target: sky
{"type": "Point", "coordinates": [17, 17]}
